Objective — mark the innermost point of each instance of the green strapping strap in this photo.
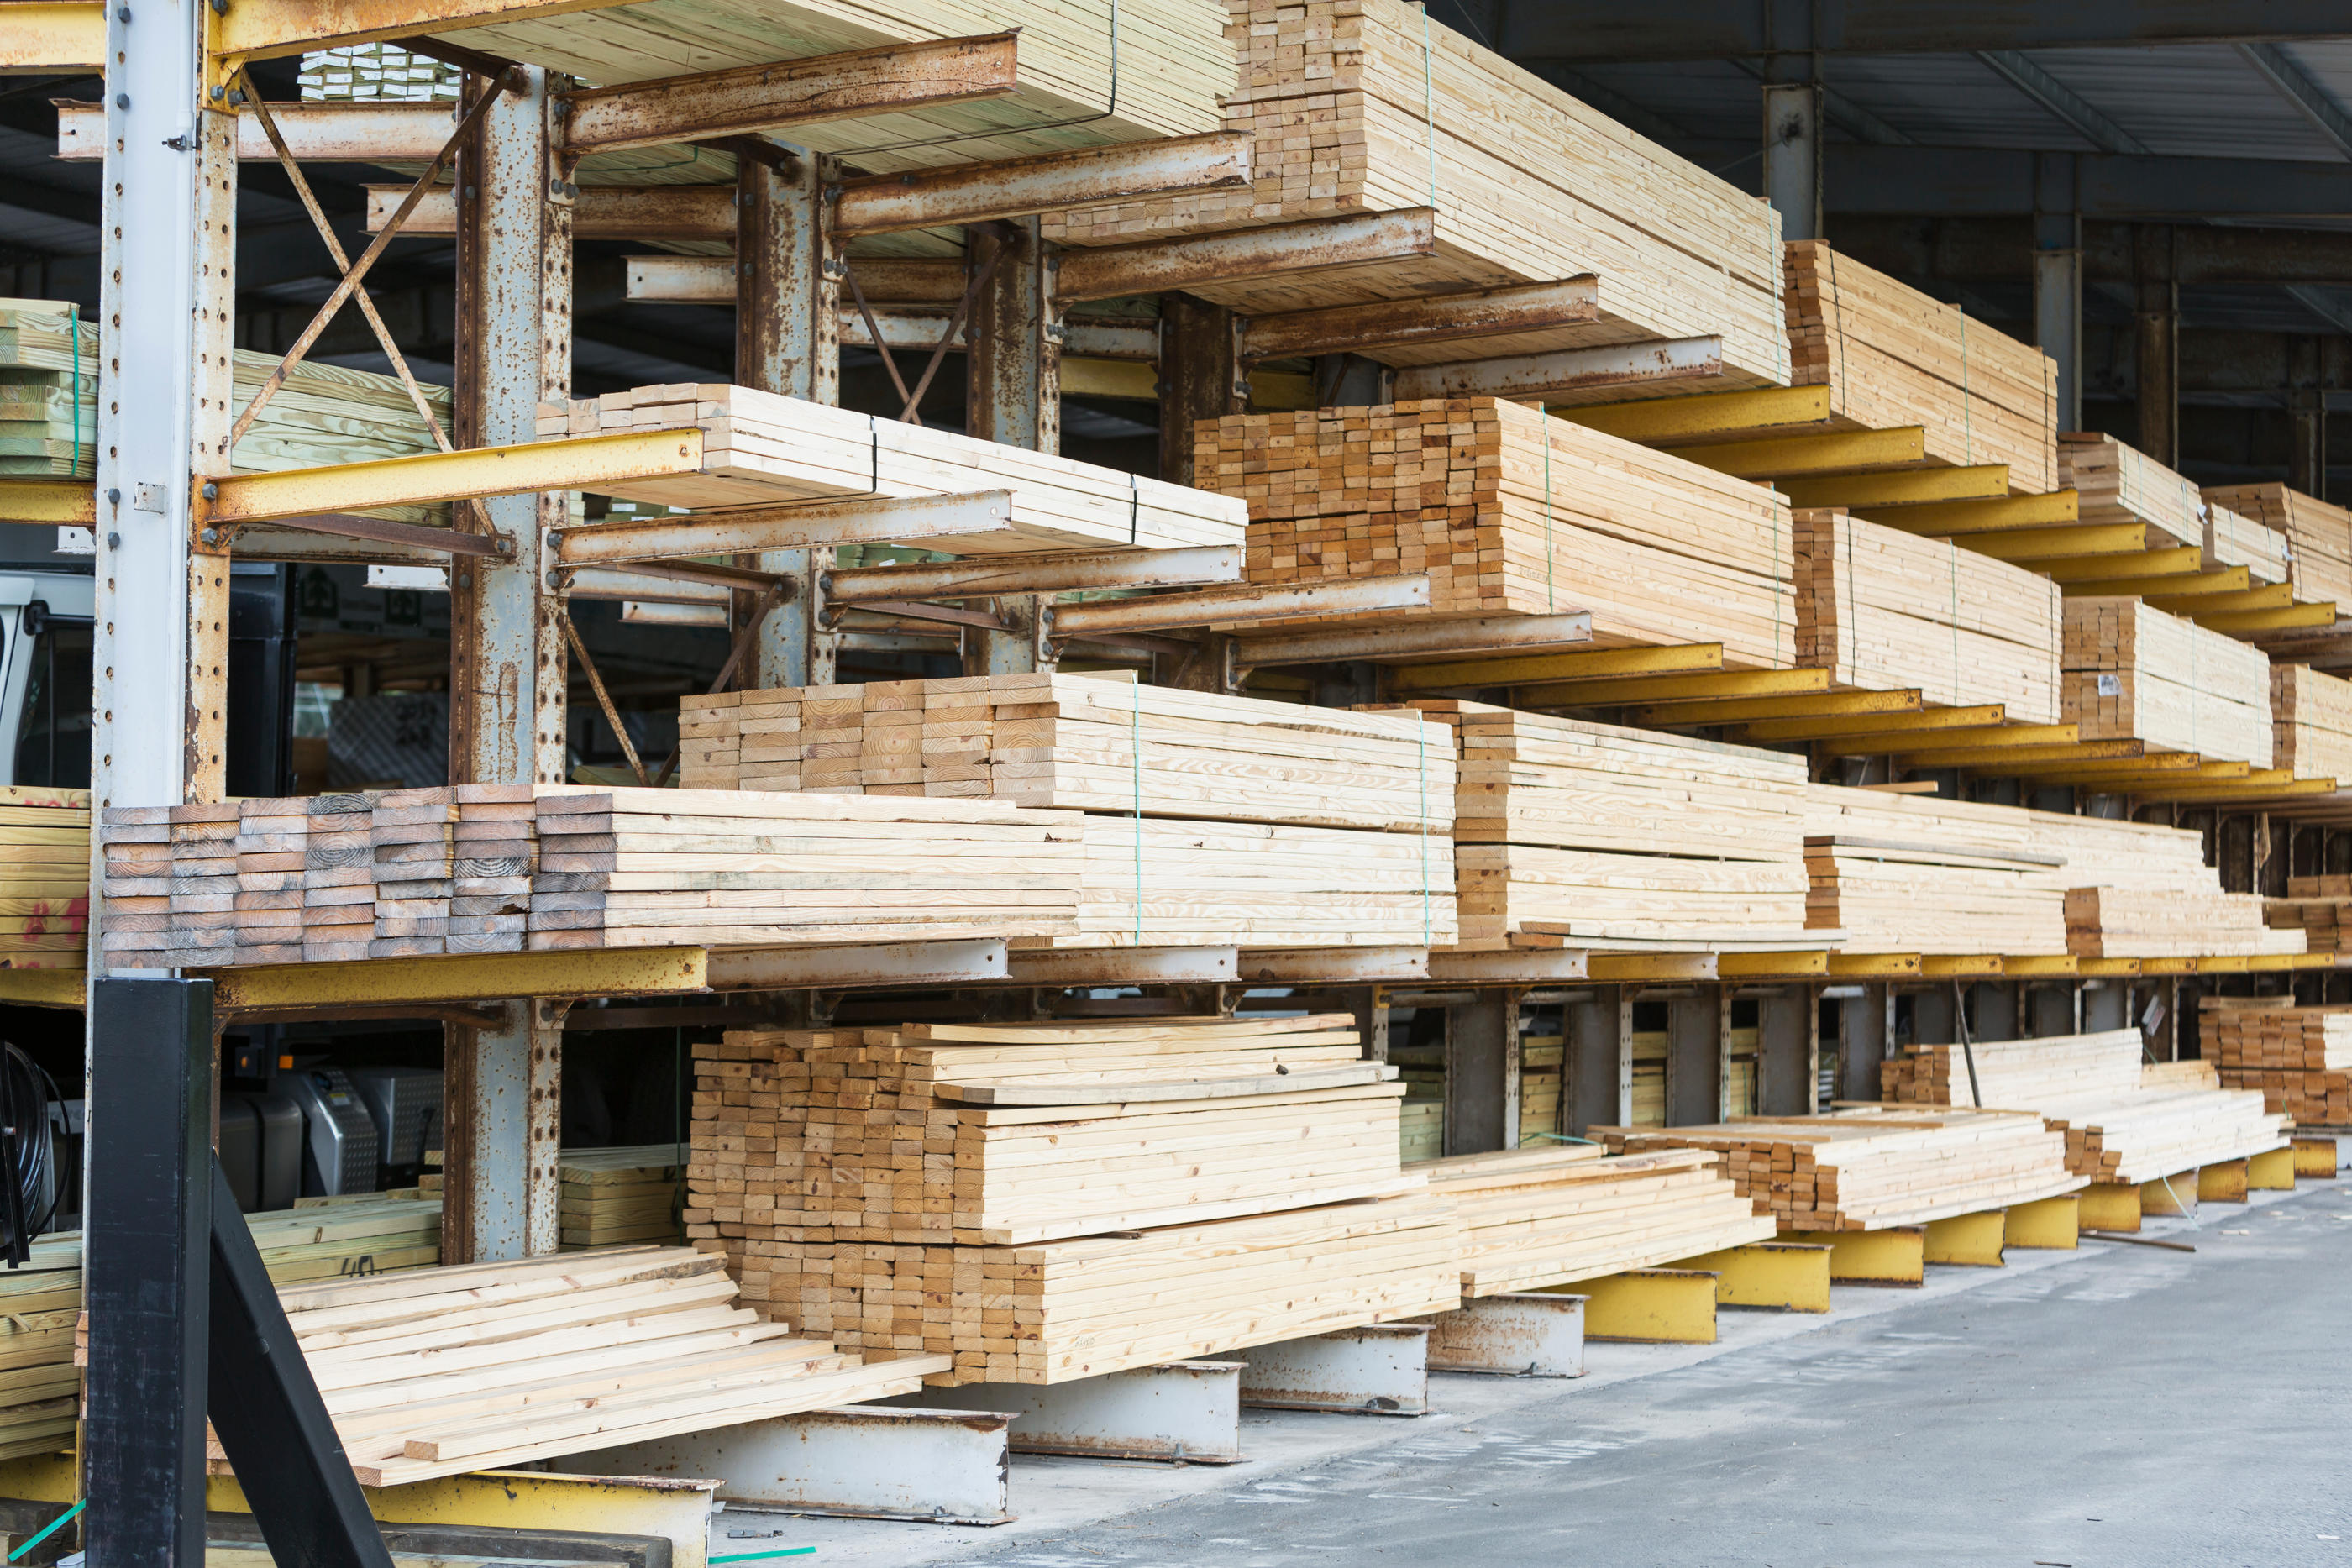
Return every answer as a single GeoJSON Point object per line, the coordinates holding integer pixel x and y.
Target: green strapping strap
{"type": "Point", "coordinates": [56, 1524]}
{"type": "Point", "coordinates": [1134, 739]}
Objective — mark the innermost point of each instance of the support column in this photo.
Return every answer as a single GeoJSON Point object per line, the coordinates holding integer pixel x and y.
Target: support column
{"type": "Point", "coordinates": [1482, 1073]}
{"type": "Point", "coordinates": [1788, 1054]}
{"type": "Point", "coordinates": [509, 667]}
{"type": "Point", "coordinates": [1598, 1089]}
{"type": "Point", "coordinates": [787, 340]}
{"type": "Point", "coordinates": [1866, 1032]}
{"type": "Point", "coordinates": [1792, 121]}
{"type": "Point", "coordinates": [2058, 278]}
{"type": "Point", "coordinates": [2156, 320]}
{"type": "Point", "coordinates": [1199, 376]}
{"type": "Point", "coordinates": [1695, 1042]}
{"type": "Point", "coordinates": [2306, 413]}
{"type": "Point", "coordinates": [1013, 368]}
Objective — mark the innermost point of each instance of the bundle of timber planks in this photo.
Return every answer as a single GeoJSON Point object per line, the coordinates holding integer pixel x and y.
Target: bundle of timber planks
{"type": "Point", "coordinates": [977, 1133]}
{"type": "Point", "coordinates": [2299, 1058]}
{"type": "Point", "coordinates": [1071, 92]}
{"type": "Point", "coordinates": [2169, 922]}
{"type": "Point", "coordinates": [1090, 743]}
{"type": "Point", "coordinates": [1364, 105]}
{"type": "Point", "coordinates": [1922, 875]}
{"type": "Point", "coordinates": [2118, 483]}
{"type": "Point", "coordinates": [2318, 536]}
{"type": "Point", "coordinates": [2119, 1126]}
{"type": "Point", "coordinates": [1872, 1167]}
{"type": "Point", "coordinates": [49, 374]}
{"type": "Point", "coordinates": [1892, 357]}
{"type": "Point", "coordinates": [2135, 672]}
{"type": "Point", "coordinates": [1511, 512]}
{"type": "Point", "coordinates": [946, 1188]}
{"type": "Point", "coordinates": [759, 447]}
{"type": "Point", "coordinates": [2233, 539]}
{"type": "Point", "coordinates": [2310, 718]}
{"type": "Point", "coordinates": [45, 881]}
{"type": "Point", "coordinates": [2317, 917]}
{"type": "Point", "coordinates": [1884, 610]}
{"type": "Point", "coordinates": [440, 1371]}
{"type": "Point", "coordinates": [631, 1193]}
{"type": "Point", "coordinates": [1570, 832]}
{"type": "Point", "coordinates": [1532, 1218]}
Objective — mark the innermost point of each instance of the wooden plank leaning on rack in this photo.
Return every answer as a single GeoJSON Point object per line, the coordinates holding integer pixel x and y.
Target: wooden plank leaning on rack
{"type": "Point", "coordinates": [1510, 512]}
{"type": "Point", "coordinates": [1373, 108]}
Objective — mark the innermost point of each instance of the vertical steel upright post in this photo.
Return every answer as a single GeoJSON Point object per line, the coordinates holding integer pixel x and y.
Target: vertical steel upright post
{"type": "Point", "coordinates": [1012, 394]}
{"type": "Point", "coordinates": [508, 665]}
{"type": "Point", "coordinates": [787, 340]}
{"type": "Point", "coordinates": [2058, 278]}
{"type": "Point", "coordinates": [1200, 377]}
{"type": "Point", "coordinates": [145, 1272]}
{"type": "Point", "coordinates": [1792, 156]}
{"type": "Point", "coordinates": [2158, 323]}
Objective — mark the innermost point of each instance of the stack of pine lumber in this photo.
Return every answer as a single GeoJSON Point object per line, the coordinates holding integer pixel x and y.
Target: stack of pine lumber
{"type": "Point", "coordinates": [2118, 483]}
{"type": "Point", "coordinates": [2170, 923]}
{"type": "Point", "coordinates": [1090, 743]}
{"type": "Point", "coordinates": [1531, 1217]}
{"type": "Point", "coordinates": [2311, 717]}
{"type": "Point", "coordinates": [632, 1193]}
{"type": "Point", "coordinates": [2233, 539]}
{"type": "Point", "coordinates": [2319, 919]}
{"type": "Point", "coordinates": [334, 1237]}
{"type": "Point", "coordinates": [39, 1388]}
{"type": "Point", "coordinates": [1566, 828]}
{"type": "Point", "coordinates": [1510, 512]}
{"type": "Point", "coordinates": [1922, 874]}
{"type": "Point", "coordinates": [2120, 1127]}
{"type": "Point", "coordinates": [1892, 356]}
{"type": "Point", "coordinates": [2318, 536]}
{"type": "Point", "coordinates": [1884, 610]}
{"type": "Point", "coordinates": [1072, 91]}
{"type": "Point", "coordinates": [45, 881]}
{"type": "Point", "coordinates": [1364, 105]}
{"type": "Point", "coordinates": [441, 1371]}
{"type": "Point", "coordinates": [759, 447]}
{"type": "Point", "coordinates": [2299, 1058]}
{"type": "Point", "coordinates": [1868, 1167]}
{"type": "Point", "coordinates": [2132, 671]}
{"type": "Point", "coordinates": [1543, 1059]}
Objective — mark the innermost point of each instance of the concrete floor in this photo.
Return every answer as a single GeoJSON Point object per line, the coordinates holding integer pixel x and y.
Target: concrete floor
{"type": "Point", "coordinates": [2116, 1405]}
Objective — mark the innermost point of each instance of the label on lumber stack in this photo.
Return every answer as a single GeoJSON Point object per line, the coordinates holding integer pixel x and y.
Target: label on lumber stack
{"type": "Point", "coordinates": [1511, 512]}
{"type": "Point", "coordinates": [2135, 673]}
{"type": "Point", "coordinates": [1892, 356]}
{"type": "Point", "coordinates": [1870, 1167]}
{"type": "Point", "coordinates": [1884, 610]}
{"type": "Point", "coordinates": [2311, 714]}
{"type": "Point", "coordinates": [1595, 834]}
{"type": "Point", "coordinates": [2122, 1123]}
{"type": "Point", "coordinates": [759, 446]}
{"type": "Point", "coordinates": [2299, 1058]}
{"type": "Point", "coordinates": [2118, 483]}
{"type": "Point", "coordinates": [2318, 536]}
{"type": "Point", "coordinates": [1368, 106]}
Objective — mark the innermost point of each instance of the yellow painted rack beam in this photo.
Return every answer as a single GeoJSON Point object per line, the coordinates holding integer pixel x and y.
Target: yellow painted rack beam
{"type": "Point", "coordinates": [576, 463]}
{"type": "Point", "coordinates": [2183, 560]}
{"type": "Point", "coordinates": [1592, 663]}
{"type": "Point", "coordinates": [459, 978]}
{"type": "Point", "coordinates": [1962, 519]}
{"type": "Point", "coordinates": [43, 987]}
{"type": "Point", "coordinates": [2024, 759]}
{"type": "Point", "coordinates": [2200, 605]}
{"type": "Point", "coordinates": [2032, 964]}
{"type": "Point", "coordinates": [72, 503]}
{"type": "Point", "coordinates": [2229, 580]}
{"type": "Point", "coordinates": [1804, 704]}
{"type": "Point", "coordinates": [2245, 622]}
{"type": "Point", "coordinates": [40, 37]}
{"type": "Point", "coordinates": [1985, 738]}
{"type": "Point", "coordinates": [1618, 968]}
{"type": "Point", "coordinates": [1668, 421]}
{"type": "Point", "coordinates": [1959, 965]}
{"type": "Point", "coordinates": [1875, 726]}
{"type": "Point", "coordinates": [1772, 966]}
{"type": "Point", "coordinates": [1832, 451]}
{"type": "Point", "coordinates": [1874, 966]}
{"type": "Point", "coordinates": [1666, 689]}
{"type": "Point", "coordinates": [1899, 488]}
{"type": "Point", "coordinates": [2063, 543]}
{"type": "Point", "coordinates": [2093, 968]}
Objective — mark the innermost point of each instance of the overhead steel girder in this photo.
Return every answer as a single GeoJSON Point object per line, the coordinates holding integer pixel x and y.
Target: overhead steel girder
{"type": "Point", "coordinates": [599, 211]}
{"type": "Point", "coordinates": [1046, 571]}
{"type": "Point", "coordinates": [1050, 181]}
{"type": "Point", "coordinates": [314, 132]}
{"type": "Point", "coordinates": [904, 328]}
{"type": "Point", "coordinates": [711, 280]}
{"type": "Point", "coordinates": [1379, 324]}
{"type": "Point", "coordinates": [747, 99]}
{"type": "Point", "coordinates": [1220, 606]}
{"type": "Point", "coordinates": [809, 526]}
{"type": "Point", "coordinates": [38, 38]}
{"type": "Point", "coordinates": [577, 462]}
{"type": "Point", "coordinates": [1322, 245]}
{"type": "Point", "coordinates": [1589, 34]}
{"type": "Point", "coordinates": [459, 978]}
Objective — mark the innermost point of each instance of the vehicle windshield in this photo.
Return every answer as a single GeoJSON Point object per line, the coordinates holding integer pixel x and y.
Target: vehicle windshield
{"type": "Point", "coordinates": [53, 735]}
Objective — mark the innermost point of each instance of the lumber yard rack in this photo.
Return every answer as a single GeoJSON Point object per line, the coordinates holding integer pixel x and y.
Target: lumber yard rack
{"type": "Point", "coordinates": [1907, 635]}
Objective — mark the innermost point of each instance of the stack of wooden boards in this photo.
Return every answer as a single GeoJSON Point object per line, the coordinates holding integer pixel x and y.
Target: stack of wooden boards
{"type": "Point", "coordinates": [2135, 672]}
{"type": "Point", "coordinates": [441, 1371]}
{"type": "Point", "coordinates": [2233, 539]}
{"type": "Point", "coordinates": [1364, 105]}
{"type": "Point", "coordinates": [1511, 512]}
{"type": "Point", "coordinates": [1921, 874]}
{"type": "Point", "coordinates": [2299, 1058]}
{"type": "Point", "coordinates": [2117, 483]}
{"type": "Point", "coordinates": [2118, 1128]}
{"type": "Point", "coordinates": [323, 413]}
{"type": "Point", "coordinates": [1894, 357]}
{"type": "Point", "coordinates": [759, 447]}
{"type": "Point", "coordinates": [43, 877]}
{"type": "Point", "coordinates": [2311, 715]}
{"type": "Point", "coordinates": [1211, 819]}
{"type": "Point", "coordinates": [1071, 91]}
{"type": "Point", "coordinates": [1531, 1217]}
{"type": "Point", "coordinates": [946, 1189]}
{"type": "Point", "coordinates": [1580, 834]}
{"type": "Point", "coordinates": [2318, 536]}
{"type": "Point", "coordinates": [632, 1194]}
{"type": "Point", "coordinates": [1885, 609]}
{"type": "Point", "coordinates": [1869, 1167]}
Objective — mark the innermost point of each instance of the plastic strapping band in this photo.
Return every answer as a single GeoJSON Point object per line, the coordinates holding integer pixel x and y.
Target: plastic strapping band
{"type": "Point", "coordinates": [1429, 102]}
{"type": "Point", "coordinates": [73, 330]}
{"type": "Point", "coordinates": [1135, 742]}
{"type": "Point", "coordinates": [1134, 505]}
{"type": "Point", "coordinates": [874, 436]}
{"type": "Point", "coordinates": [1543, 416]}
